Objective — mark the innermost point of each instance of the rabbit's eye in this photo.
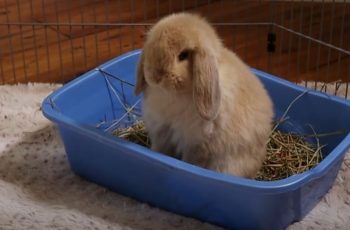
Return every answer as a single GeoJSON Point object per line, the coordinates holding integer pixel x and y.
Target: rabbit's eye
{"type": "Point", "coordinates": [184, 55]}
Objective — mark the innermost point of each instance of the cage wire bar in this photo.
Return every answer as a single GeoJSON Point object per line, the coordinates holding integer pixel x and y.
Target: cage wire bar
{"type": "Point", "coordinates": [304, 41]}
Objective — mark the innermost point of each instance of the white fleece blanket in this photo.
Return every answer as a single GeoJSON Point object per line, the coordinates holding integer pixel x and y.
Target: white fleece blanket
{"type": "Point", "coordinates": [39, 191]}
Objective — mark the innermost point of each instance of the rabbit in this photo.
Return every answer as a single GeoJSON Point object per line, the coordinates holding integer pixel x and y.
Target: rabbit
{"type": "Point", "coordinates": [201, 103]}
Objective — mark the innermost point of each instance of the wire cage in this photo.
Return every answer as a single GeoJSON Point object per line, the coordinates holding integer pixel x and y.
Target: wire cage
{"type": "Point", "coordinates": [54, 41]}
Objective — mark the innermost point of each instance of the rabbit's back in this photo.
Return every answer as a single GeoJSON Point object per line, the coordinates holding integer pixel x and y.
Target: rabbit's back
{"type": "Point", "coordinates": [245, 119]}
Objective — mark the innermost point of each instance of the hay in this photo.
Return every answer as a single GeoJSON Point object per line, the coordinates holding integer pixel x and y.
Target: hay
{"type": "Point", "coordinates": [287, 153]}
{"type": "Point", "coordinates": [135, 133]}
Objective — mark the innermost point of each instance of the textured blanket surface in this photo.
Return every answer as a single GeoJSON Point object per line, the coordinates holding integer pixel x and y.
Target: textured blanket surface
{"type": "Point", "coordinates": [39, 191]}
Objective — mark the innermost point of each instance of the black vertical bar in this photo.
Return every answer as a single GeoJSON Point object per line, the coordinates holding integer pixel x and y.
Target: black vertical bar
{"type": "Point", "coordinates": [259, 35]}
{"type": "Point", "coordinates": [282, 33]}
{"type": "Point", "coordinates": [271, 30]}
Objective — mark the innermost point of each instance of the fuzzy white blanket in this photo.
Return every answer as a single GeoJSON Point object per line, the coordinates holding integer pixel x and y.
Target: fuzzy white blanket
{"type": "Point", "coordinates": [39, 191]}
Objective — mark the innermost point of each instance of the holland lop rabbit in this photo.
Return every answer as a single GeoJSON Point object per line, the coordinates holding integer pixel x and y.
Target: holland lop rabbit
{"type": "Point", "coordinates": [201, 102]}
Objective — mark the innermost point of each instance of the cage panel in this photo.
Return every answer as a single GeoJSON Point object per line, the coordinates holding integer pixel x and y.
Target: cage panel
{"type": "Point", "coordinates": [55, 41]}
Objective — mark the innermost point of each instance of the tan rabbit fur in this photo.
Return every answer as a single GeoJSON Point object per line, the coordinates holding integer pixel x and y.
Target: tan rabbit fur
{"type": "Point", "coordinates": [201, 102]}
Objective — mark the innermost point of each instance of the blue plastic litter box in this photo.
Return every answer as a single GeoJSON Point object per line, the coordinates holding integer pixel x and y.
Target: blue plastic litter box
{"type": "Point", "coordinates": [90, 107]}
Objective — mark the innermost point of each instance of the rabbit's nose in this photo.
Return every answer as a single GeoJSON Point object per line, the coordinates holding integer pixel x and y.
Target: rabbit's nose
{"type": "Point", "coordinates": [157, 78]}
{"type": "Point", "coordinates": [159, 74]}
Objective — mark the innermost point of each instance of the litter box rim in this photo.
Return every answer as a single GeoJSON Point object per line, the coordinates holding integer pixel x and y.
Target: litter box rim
{"type": "Point", "coordinates": [291, 183]}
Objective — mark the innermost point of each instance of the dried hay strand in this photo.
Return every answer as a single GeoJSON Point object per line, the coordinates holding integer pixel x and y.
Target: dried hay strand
{"type": "Point", "coordinates": [288, 153]}
{"type": "Point", "coordinates": [135, 133]}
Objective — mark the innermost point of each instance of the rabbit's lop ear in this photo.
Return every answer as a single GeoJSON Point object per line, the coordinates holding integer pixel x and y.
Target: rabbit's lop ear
{"type": "Point", "coordinates": [140, 81]}
{"type": "Point", "coordinates": [206, 88]}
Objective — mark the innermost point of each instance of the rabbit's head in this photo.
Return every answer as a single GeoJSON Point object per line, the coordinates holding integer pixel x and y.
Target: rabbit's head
{"type": "Point", "coordinates": [181, 55]}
